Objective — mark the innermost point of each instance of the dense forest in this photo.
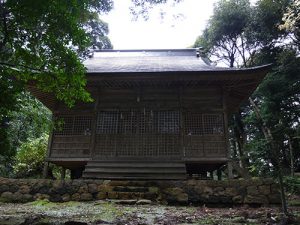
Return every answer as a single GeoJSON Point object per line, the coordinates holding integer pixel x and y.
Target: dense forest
{"type": "Point", "coordinates": [46, 43]}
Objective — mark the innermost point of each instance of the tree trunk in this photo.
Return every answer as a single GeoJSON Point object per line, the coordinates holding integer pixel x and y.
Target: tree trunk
{"type": "Point", "coordinates": [292, 156]}
{"type": "Point", "coordinates": [275, 151]}
{"type": "Point", "coordinates": [240, 136]}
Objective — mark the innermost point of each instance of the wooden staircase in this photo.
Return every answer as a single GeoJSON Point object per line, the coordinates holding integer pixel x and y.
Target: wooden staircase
{"type": "Point", "coordinates": [135, 169]}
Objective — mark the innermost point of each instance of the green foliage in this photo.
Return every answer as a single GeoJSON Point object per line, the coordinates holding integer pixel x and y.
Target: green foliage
{"type": "Point", "coordinates": [237, 30]}
{"type": "Point", "coordinates": [225, 37]}
{"type": "Point", "coordinates": [293, 184]}
{"type": "Point", "coordinates": [291, 20]}
{"type": "Point", "coordinates": [30, 157]}
{"type": "Point", "coordinates": [141, 8]}
{"type": "Point", "coordinates": [242, 35]}
{"type": "Point", "coordinates": [8, 98]}
{"type": "Point", "coordinates": [28, 122]}
{"type": "Point", "coordinates": [44, 41]}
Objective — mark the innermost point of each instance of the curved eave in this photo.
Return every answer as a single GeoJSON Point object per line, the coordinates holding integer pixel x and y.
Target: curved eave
{"type": "Point", "coordinates": [218, 73]}
{"type": "Point", "coordinates": [238, 84]}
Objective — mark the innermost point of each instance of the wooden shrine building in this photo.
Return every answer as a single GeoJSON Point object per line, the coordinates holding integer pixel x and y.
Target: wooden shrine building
{"type": "Point", "coordinates": [157, 114]}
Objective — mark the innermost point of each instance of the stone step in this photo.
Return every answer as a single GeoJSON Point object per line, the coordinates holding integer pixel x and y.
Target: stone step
{"type": "Point", "coordinates": [134, 176]}
{"type": "Point", "coordinates": [134, 169]}
{"type": "Point", "coordinates": [134, 164]}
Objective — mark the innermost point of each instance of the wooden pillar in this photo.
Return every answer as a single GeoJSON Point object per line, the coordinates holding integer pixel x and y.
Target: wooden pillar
{"type": "Point", "coordinates": [229, 168]}
{"type": "Point", "coordinates": [211, 175]}
{"type": "Point", "coordinates": [94, 125]}
{"type": "Point", "coordinates": [181, 125]}
{"type": "Point", "coordinates": [45, 170]}
{"type": "Point", "coordinates": [219, 174]}
{"type": "Point", "coordinates": [63, 173]}
{"type": "Point", "coordinates": [226, 132]}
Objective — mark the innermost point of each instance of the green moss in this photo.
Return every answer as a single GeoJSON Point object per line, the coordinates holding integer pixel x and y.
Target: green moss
{"type": "Point", "coordinates": [48, 204]}
{"type": "Point", "coordinates": [4, 200]}
{"type": "Point", "coordinates": [41, 202]}
{"type": "Point", "coordinates": [107, 212]}
{"type": "Point", "coordinates": [294, 202]}
{"type": "Point", "coordinates": [207, 221]}
{"type": "Point", "coordinates": [154, 189]}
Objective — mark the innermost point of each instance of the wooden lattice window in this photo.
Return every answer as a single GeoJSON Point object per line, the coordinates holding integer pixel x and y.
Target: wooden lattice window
{"type": "Point", "coordinates": [107, 122]}
{"type": "Point", "coordinates": [138, 122]}
{"type": "Point", "coordinates": [168, 122]}
{"type": "Point", "coordinates": [73, 125]}
{"type": "Point", "coordinates": [213, 124]}
{"type": "Point", "coordinates": [193, 123]}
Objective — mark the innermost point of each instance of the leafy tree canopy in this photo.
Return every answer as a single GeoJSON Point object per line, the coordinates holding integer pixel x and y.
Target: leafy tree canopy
{"type": "Point", "coordinates": [43, 41]}
{"type": "Point", "coordinates": [292, 21]}
{"type": "Point", "coordinates": [237, 30]}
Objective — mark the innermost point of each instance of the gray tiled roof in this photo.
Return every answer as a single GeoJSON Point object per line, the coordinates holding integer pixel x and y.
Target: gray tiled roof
{"type": "Point", "coordinates": [116, 61]}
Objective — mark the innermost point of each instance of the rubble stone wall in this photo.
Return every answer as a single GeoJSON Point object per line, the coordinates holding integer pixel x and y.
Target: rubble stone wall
{"type": "Point", "coordinates": [252, 191]}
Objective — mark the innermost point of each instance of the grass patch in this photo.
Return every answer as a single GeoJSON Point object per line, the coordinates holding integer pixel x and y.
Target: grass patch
{"type": "Point", "coordinates": [294, 202]}
{"type": "Point", "coordinates": [48, 204]}
{"type": "Point", "coordinates": [107, 212]}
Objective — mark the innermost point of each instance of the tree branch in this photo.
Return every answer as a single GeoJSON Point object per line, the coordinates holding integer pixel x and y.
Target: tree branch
{"type": "Point", "coordinates": [4, 22]}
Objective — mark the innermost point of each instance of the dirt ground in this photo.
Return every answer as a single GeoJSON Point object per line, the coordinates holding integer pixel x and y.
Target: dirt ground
{"type": "Point", "coordinates": [103, 212]}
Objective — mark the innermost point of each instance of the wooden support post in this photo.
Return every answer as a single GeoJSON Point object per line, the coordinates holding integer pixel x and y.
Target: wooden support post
{"type": "Point", "coordinates": [211, 175]}
{"type": "Point", "coordinates": [219, 174]}
{"type": "Point", "coordinates": [226, 132]}
{"type": "Point", "coordinates": [45, 170]}
{"type": "Point", "coordinates": [229, 168]}
{"type": "Point", "coordinates": [63, 173]}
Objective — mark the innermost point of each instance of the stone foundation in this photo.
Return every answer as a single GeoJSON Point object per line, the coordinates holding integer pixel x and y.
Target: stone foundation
{"type": "Point", "coordinates": [253, 191]}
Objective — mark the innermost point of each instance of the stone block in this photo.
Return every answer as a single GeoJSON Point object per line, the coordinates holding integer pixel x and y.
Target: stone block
{"type": "Point", "coordinates": [229, 191]}
{"type": "Point", "coordinates": [264, 189]}
{"type": "Point", "coordinates": [256, 199]}
{"type": "Point", "coordinates": [137, 195]}
{"type": "Point", "coordinates": [275, 188]}
{"type": "Point", "coordinates": [4, 188]}
{"type": "Point", "coordinates": [27, 198]}
{"type": "Point", "coordinates": [66, 198]}
{"type": "Point", "coordinates": [101, 196]}
{"type": "Point", "coordinates": [125, 201]}
{"type": "Point", "coordinates": [175, 195]}
{"type": "Point", "coordinates": [6, 196]}
{"type": "Point", "coordinates": [40, 196]}
{"type": "Point", "coordinates": [93, 188]}
{"type": "Point", "coordinates": [207, 190]}
{"type": "Point", "coordinates": [112, 195]}
{"type": "Point", "coordinates": [55, 198]}
{"type": "Point", "coordinates": [144, 202]}
{"type": "Point", "coordinates": [124, 195]}
{"type": "Point", "coordinates": [104, 188]}
{"type": "Point", "coordinates": [218, 191]}
{"type": "Point", "coordinates": [238, 199]}
{"type": "Point", "coordinates": [24, 189]}
{"type": "Point", "coordinates": [13, 187]}
{"type": "Point", "coordinates": [151, 195]}
{"type": "Point", "coordinates": [83, 188]}
{"type": "Point", "coordinates": [274, 198]}
{"type": "Point", "coordinates": [153, 190]}
{"type": "Point", "coordinates": [252, 190]}
{"type": "Point", "coordinates": [130, 189]}
{"type": "Point", "coordinates": [268, 181]}
{"type": "Point", "coordinates": [86, 197]}
{"type": "Point", "coordinates": [75, 197]}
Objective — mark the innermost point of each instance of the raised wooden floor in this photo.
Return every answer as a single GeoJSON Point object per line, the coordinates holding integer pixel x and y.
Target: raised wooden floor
{"type": "Point", "coordinates": [134, 169]}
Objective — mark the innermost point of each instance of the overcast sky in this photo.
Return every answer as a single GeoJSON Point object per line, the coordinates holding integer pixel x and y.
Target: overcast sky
{"type": "Point", "coordinates": [178, 28]}
{"type": "Point", "coordinates": [169, 26]}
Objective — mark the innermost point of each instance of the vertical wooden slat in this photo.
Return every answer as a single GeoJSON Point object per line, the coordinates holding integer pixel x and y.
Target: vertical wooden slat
{"type": "Point", "coordinates": [225, 112]}
{"type": "Point", "coordinates": [94, 124]}
{"type": "Point", "coordinates": [182, 147]}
